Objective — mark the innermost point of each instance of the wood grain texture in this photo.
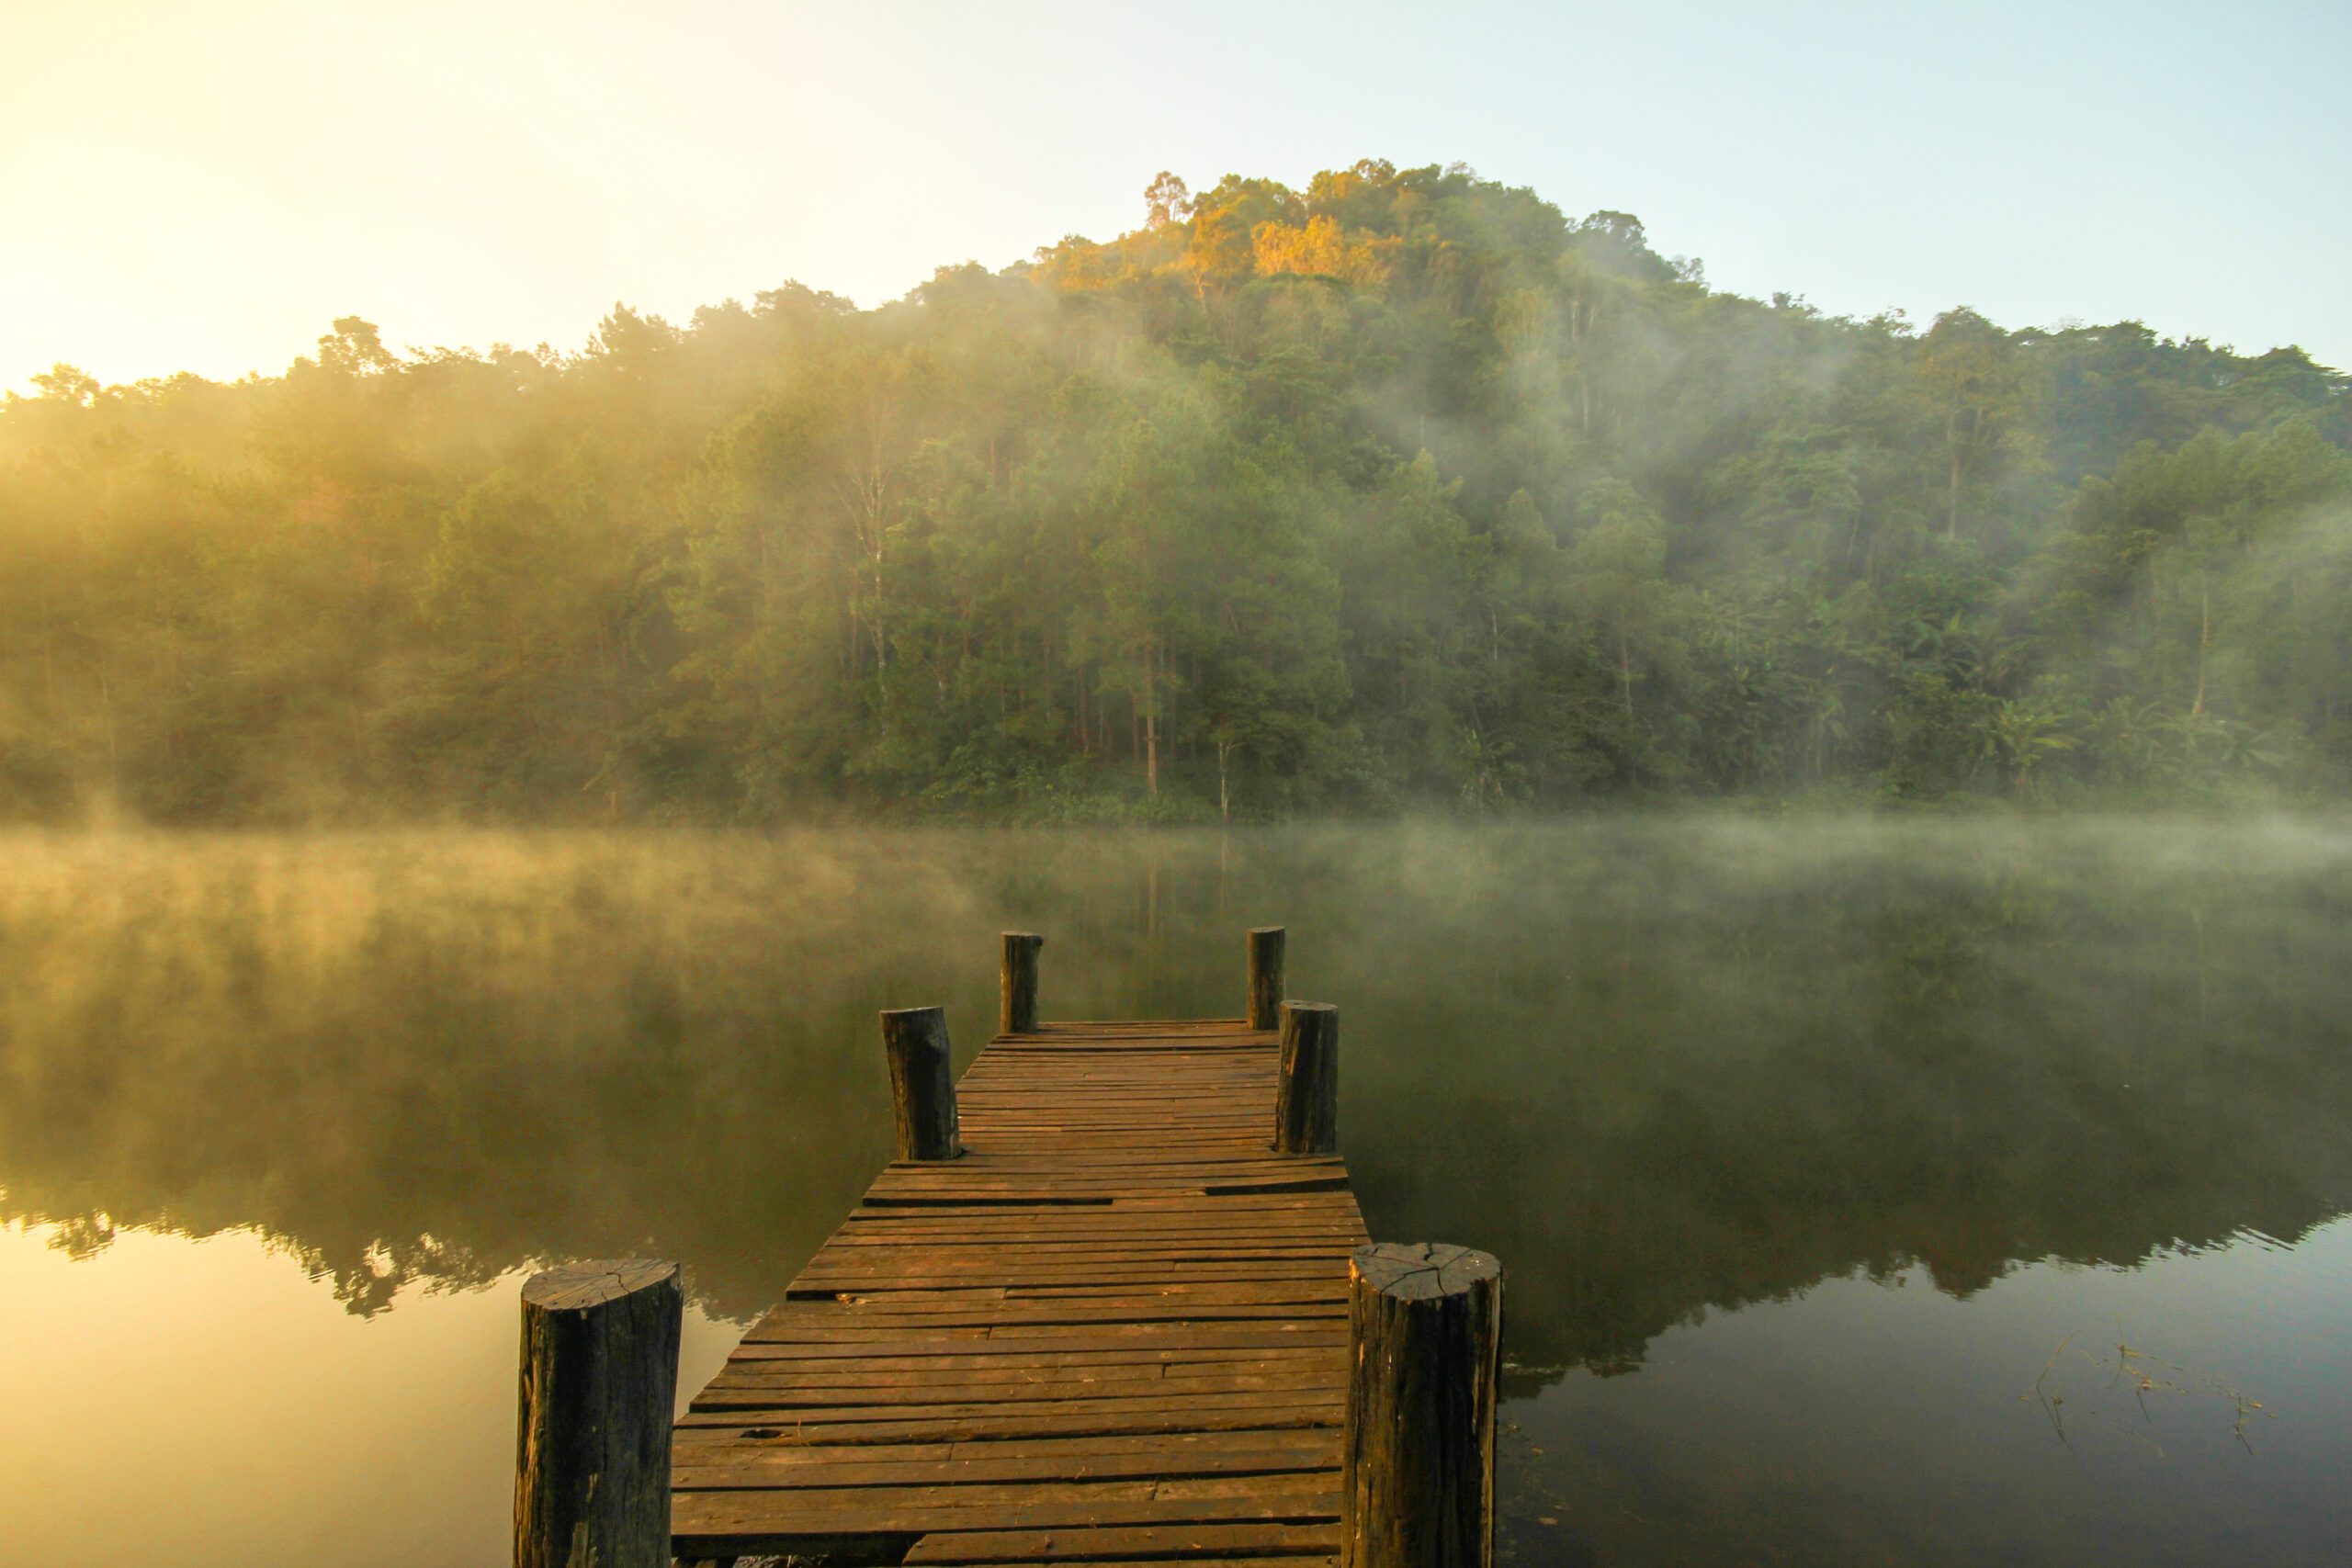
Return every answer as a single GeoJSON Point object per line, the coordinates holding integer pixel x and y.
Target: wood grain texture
{"type": "Point", "coordinates": [1419, 1452]}
{"type": "Point", "coordinates": [599, 1377]}
{"type": "Point", "coordinates": [1306, 1091]}
{"type": "Point", "coordinates": [1017, 1003]}
{"type": "Point", "coordinates": [1266, 946]}
{"type": "Point", "coordinates": [922, 1083]}
{"type": "Point", "coordinates": [1116, 1328]}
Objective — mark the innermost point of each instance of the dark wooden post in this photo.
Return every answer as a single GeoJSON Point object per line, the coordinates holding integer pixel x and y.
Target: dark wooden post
{"type": "Point", "coordinates": [922, 1086]}
{"type": "Point", "coordinates": [600, 1372]}
{"type": "Point", "coordinates": [1019, 1013]}
{"type": "Point", "coordinates": [1306, 1099]}
{"type": "Point", "coordinates": [1265, 976]}
{"type": "Point", "coordinates": [1416, 1483]}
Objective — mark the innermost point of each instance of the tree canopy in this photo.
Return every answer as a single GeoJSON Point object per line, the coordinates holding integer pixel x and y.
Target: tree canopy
{"type": "Point", "coordinates": [1402, 490]}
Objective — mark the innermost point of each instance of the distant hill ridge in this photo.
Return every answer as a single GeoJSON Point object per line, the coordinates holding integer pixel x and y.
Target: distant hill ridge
{"type": "Point", "coordinates": [1403, 490]}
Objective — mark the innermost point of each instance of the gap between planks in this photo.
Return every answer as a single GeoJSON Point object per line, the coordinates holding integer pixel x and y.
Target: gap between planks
{"type": "Point", "coordinates": [1116, 1330]}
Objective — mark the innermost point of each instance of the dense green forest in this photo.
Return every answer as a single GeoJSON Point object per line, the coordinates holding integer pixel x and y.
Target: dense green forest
{"type": "Point", "coordinates": [1401, 491]}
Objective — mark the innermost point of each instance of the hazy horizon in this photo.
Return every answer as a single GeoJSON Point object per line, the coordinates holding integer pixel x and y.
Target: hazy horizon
{"type": "Point", "coordinates": [209, 186]}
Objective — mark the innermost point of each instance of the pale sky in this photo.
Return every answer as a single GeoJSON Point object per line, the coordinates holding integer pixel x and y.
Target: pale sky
{"type": "Point", "coordinates": [204, 185]}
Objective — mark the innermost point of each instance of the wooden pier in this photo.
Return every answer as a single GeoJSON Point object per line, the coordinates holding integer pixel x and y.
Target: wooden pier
{"type": "Point", "coordinates": [1104, 1317]}
{"type": "Point", "coordinates": [1116, 1327]}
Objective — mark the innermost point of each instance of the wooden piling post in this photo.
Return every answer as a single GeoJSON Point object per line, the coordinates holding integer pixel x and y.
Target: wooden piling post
{"type": "Point", "coordinates": [600, 1372]}
{"type": "Point", "coordinates": [1307, 1096]}
{"type": "Point", "coordinates": [1018, 1015]}
{"type": "Point", "coordinates": [1265, 976]}
{"type": "Point", "coordinates": [1417, 1486]}
{"type": "Point", "coordinates": [923, 1085]}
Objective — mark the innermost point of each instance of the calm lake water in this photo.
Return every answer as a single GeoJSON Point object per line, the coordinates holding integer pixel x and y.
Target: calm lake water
{"type": "Point", "coordinates": [1871, 1192]}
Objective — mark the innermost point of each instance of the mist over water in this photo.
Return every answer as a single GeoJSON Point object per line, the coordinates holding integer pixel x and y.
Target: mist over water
{"type": "Point", "coordinates": [1805, 1142]}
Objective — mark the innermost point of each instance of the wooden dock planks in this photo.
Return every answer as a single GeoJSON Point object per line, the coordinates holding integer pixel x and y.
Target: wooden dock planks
{"type": "Point", "coordinates": [1116, 1329]}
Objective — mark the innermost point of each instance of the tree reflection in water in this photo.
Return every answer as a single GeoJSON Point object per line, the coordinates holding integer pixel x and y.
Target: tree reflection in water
{"type": "Point", "coordinates": [1658, 1066]}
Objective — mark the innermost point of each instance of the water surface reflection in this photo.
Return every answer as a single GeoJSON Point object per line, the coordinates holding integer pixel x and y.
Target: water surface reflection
{"type": "Point", "coordinates": [1666, 1068]}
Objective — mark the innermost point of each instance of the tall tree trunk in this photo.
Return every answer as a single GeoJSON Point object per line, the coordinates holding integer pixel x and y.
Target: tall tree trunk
{"type": "Point", "coordinates": [1952, 446]}
{"type": "Point", "coordinates": [1952, 518]}
{"type": "Point", "coordinates": [2204, 640]}
{"type": "Point", "coordinates": [1150, 724]}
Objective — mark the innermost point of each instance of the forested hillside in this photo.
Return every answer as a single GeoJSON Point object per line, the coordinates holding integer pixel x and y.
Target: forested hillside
{"type": "Point", "coordinates": [1400, 492]}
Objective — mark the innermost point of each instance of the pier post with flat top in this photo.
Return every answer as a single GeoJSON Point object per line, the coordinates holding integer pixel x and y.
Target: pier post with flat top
{"type": "Point", "coordinates": [1059, 1246]}
{"type": "Point", "coordinates": [1306, 1093]}
{"type": "Point", "coordinates": [922, 1083]}
{"type": "Point", "coordinates": [1265, 976]}
{"type": "Point", "coordinates": [1416, 1482]}
{"type": "Point", "coordinates": [599, 1375]}
{"type": "Point", "coordinates": [1018, 1014]}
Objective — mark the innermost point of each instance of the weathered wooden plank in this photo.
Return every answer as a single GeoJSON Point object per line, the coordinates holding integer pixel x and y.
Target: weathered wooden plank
{"type": "Point", "coordinates": [1047, 1189]}
{"type": "Point", "coordinates": [1187, 1452]}
{"type": "Point", "coordinates": [1107, 1294]}
{"type": "Point", "coordinates": [949, 1355]}
{"type": "Point", "coordinates": [1225, 1217]}
{"type": "Point", "coordinates": [1232, 1497]}
{"type": "Point", "coordinates": [1114, 1329]}
{"type": "Point", "coordinates": [752, 1513]}
{"type": "Point", "coordinates": [702, 1468]}
{"type": "Point", "coordinates": [1306, 1560]}
{"type": "Point", "coordinates": [1181, 1445]}
{"type": "Point", "coordinates": [1173, 1200]}
{"type": "Point", "coordinates": [955, 1401]}
{"type": "Point", "coordinates": [1096, 1230]}
{"type": "Point", "coordinates": [1029, 1318]}
{"type": "Point", "coordinates": [965, 1273]}
{"type": "Point", "coordinates": [935, 1293]}
{"type": "Point", "coordinates": [961, 1275]}
{"type": "Point", "coordinates": [1043, 1545]}
{"type": "Point", "coordinates": [979, 1164]}
{"type": "Point", "coordinates": [1048, 1252]}
{"type": "Point", "coordinates": [856, 1309]}
{"type": "Point", "coordinates": [997, 1422]}
{"type": "Point", "coordinates": [1080, 1242]}
{"type": "Point", "coordinates": [1130, 1376]}
{"type": "Point", "coordinates": [771, 1447]}
{"type": "Point", "coordinates": [795, 1376]}
{"type": "Point", "coordinates": [1318, 1240]}
{"type": "Point", "coordinates": [1029, 1368]}
{"type": "Point", "coordinates": [1316, 1286]}
{"type": "Point", "coordinates": [1310, 1560]}
{"type": "Point", "coordinates": [1238, 1211]}
{"type": "Point", "coordinates": [1003, 1227]}
{"type": "Point", "coordinates": [1178, 1344]}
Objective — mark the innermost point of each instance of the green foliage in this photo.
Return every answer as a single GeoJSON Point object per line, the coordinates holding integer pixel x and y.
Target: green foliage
{"type": "Point", "coordinates": [1402, 489]}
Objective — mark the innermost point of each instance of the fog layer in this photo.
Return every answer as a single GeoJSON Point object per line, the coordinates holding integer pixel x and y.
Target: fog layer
{"type": "Point", "coordinates": [1402, 490]}
{"type": "Point", "coordinates": [1658, 1067]}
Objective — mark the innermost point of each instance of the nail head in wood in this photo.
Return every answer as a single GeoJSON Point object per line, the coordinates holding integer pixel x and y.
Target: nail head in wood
{"type": "Point", "coordinates": [922, 1083]}
{"type": "Point", "coordinates": [1307, 1095]}
{"type": "Point", "coordinates": [1266, 945]}
{"type": "Point", "coordinates": [1417, 1455]}
{"type": "Point", "coordinates": [599, 1377]}
{"type": "Point", "coordinates": [1018, 1014]}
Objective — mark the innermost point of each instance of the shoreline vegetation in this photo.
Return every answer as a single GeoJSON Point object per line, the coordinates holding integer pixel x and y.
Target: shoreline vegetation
{"type": "Point", "coordinates": [1690, 1067]}
{"type": "Point", "coordinates": [1404, 493]}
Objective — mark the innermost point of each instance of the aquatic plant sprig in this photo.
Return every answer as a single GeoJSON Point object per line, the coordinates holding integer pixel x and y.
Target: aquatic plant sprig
{"type": "Point", "coordinates": [2143, 1374]}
